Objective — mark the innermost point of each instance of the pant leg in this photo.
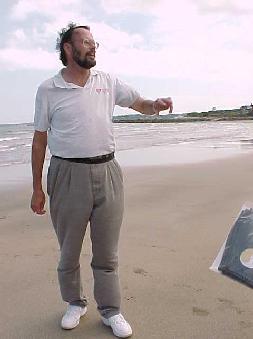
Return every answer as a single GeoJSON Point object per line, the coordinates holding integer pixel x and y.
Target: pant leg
{"type": "Point", "coordinates": [71, 202]}
{"type": "Point", "coordinates": [105, 226]}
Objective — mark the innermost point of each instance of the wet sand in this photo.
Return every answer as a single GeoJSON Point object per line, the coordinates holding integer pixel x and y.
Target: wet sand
{"type": "Point", "coordinates": [176, 219]}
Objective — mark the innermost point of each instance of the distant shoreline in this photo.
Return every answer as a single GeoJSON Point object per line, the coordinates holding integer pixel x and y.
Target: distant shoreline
{"type": "Point", "coordinates": [243, 113]}
{"type": "Point", "coordinates": [160, 119]}
{"type": "Point", "coordinates": [157, 119]}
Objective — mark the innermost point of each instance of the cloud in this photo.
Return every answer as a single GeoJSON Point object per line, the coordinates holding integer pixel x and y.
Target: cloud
{"type": "Point", "coordinates": [114, 40]}
{"type": "Point", "coordinates": [39, 39]}
{"type": "Point", "coordinates": [192, 41]}
{"type": "Point", "coordinates": [225, 6]}
{"type": "Point", "coordinates": [16, 58]}
{"type": "Point", "coordinates": [181, 44]}
{"type": "Point", "coordinates": [115, 6]}
{"type": "Point", "coordinates": [19, 35]}
{"type": "Point", "coordinates": [24, 8]}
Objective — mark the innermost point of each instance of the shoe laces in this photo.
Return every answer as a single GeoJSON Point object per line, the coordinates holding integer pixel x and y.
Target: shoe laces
{"type": "Point", "coordinates": [73, 311]}
{"type": "Point", "coordinates": [119, 319]}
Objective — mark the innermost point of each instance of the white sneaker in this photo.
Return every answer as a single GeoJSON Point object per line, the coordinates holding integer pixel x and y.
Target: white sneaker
{"type": "Point", "coordinates": [119, 325]}
{"type": "Point", "coordinates": [72, 316]}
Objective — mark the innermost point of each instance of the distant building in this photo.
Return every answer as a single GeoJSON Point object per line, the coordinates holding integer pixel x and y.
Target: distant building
{"type": "Point", "coordinates": [246, 107]}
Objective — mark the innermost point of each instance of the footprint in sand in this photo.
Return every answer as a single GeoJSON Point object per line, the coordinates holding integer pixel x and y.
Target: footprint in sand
{"type": "Point", "coordinates": [164, 247]}
{"type": "Point", "coordinates": [226, 302]}
{"type": "Point", "coordinates": [188, 286]}
{"type": "Point", "coordinates": [130, 298]}
{"type": "Point", "coordinates": [245, 324]}
{"type": "Point", "coordinates": [199, 311]}
{"type": "Point", "coordinates": [140, 271]}
{"type": "Point", "coordinates": [229, 304]}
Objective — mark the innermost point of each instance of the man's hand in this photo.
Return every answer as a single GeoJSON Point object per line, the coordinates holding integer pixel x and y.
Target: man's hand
{"type": "Point", "coordinates": [150, 107]}
{"type": "Point", "coordinates": [162, 104]}
{"type": "Point", "coordinates": [38, 202]}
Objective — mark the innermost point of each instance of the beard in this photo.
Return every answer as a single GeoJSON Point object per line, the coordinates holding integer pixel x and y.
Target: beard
{"type": "Point", "coordinates": [86, 62]}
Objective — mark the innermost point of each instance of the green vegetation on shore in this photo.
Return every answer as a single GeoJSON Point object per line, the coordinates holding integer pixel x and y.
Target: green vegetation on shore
{"type": "Point", "coordinates": [243, 113]}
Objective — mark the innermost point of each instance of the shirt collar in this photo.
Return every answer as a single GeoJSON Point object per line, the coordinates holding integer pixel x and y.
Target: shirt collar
{"type": "Point", "coordinates": [61, 83]}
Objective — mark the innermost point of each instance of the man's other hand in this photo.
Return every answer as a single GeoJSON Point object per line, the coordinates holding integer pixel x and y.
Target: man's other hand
{"type": "Point", "coordinates": [38, 202]}
{"type": "Point", "coordinates": [163, 104]}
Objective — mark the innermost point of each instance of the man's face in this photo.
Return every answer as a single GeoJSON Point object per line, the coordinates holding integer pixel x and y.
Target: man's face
{"type": "Point", "coordinates": [83, 48]}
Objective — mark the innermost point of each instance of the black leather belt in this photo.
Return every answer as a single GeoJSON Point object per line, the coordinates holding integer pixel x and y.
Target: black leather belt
{"type": "Point", "coordinates": [94, 160]}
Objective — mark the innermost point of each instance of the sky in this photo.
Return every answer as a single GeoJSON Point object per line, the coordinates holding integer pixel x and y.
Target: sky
{"type": "Point", "coordinates": [199, 52]}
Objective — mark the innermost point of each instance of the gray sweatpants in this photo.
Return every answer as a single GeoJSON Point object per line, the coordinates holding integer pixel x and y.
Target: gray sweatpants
{"type": "Point", "coordinates": [80, 193]}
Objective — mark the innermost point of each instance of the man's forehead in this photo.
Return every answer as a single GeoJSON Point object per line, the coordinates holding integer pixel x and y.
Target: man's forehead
{"type": "Point", "coordinates": [82, 33]}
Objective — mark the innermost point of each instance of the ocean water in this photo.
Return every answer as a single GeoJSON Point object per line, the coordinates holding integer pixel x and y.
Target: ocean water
{"type": "Point", "coordinates": [16, 140]}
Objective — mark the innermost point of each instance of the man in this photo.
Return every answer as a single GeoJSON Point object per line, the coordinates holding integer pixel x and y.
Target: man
{"type": "Point", "coordinates": [73, 112]}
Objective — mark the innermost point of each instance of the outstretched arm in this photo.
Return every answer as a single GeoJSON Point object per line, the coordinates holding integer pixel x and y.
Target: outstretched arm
{"type": "Point", "coordinates": [150, 107]}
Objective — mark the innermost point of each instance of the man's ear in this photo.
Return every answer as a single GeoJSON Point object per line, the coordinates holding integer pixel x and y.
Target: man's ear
{"type": "Point", "coordinates": [67, 48]}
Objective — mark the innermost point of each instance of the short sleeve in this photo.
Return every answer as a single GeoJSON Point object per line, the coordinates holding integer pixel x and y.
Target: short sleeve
{"type": "Point", "coordinates": [41, 115]}
{"type": "Point", "coordinates": [125, 95]}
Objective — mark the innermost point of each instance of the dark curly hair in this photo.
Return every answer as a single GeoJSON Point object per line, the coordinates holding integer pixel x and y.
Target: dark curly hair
{"type": "Point", "coordinates": [65, 35]}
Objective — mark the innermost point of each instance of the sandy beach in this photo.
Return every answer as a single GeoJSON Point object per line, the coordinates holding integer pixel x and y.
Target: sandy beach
{"type": "Point", "coordinates": [176, 219]}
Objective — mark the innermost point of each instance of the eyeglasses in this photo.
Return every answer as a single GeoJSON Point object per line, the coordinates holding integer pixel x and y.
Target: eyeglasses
{"type": "Point", "coordinates": [90, 43]}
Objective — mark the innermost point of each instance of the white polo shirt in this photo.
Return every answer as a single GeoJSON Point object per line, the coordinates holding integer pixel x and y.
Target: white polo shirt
{"type": "Point", "coordinates": [79, 119]}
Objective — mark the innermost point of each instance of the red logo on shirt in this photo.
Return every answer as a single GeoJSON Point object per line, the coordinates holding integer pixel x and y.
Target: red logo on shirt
{"type": "Point", "coordinates": [102, 90]}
